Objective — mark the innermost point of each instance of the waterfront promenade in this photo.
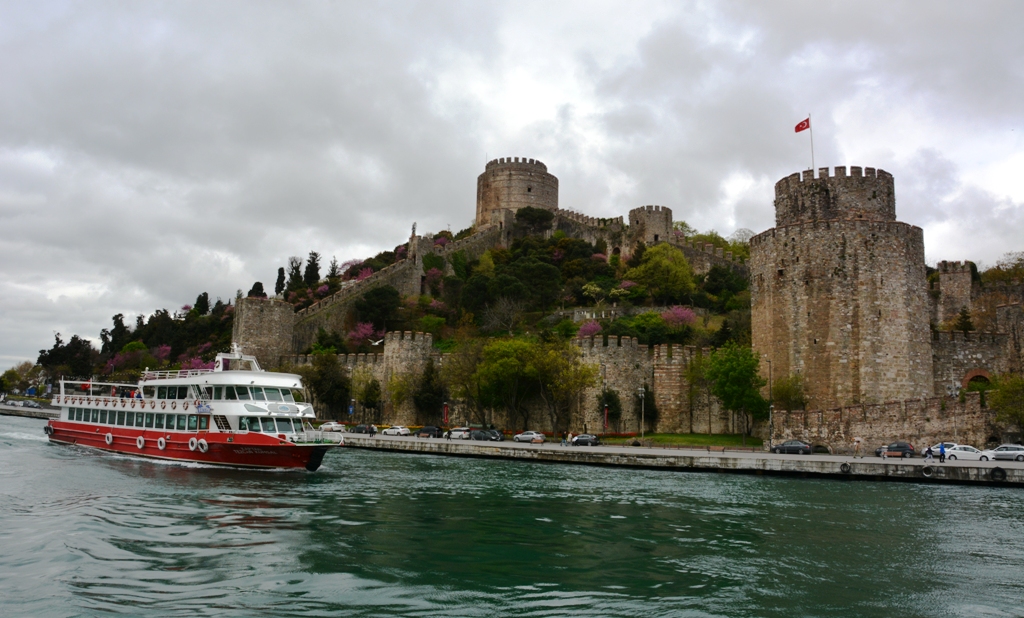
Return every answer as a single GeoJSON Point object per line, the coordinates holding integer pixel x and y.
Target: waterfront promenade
{"type": "Point", "coordinates": [43, 413]}
{"type": "Point", "coordinates": [711, 460]}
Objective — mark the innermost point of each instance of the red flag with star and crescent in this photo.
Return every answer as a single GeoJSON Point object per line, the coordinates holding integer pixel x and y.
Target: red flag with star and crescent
{"type": "Point", "coordinates": [803, 125]}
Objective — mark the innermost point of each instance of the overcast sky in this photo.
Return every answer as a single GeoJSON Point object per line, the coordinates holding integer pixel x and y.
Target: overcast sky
{"type": "Point", "coordinates": [152, 151]}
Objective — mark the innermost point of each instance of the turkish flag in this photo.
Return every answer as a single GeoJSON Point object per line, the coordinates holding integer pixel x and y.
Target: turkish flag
{"type": "Point", "coordinates": [803, 125]}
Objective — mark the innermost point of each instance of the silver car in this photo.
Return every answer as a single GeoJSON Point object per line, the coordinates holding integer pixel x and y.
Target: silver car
{"type": "Point", "coordinates": [397, 430]}
{"type": "Point", "coordinates": [459, 433]}
{"type": "Point", "coordinates": [1005, 452]}
{"type": "Point", "coordinates": [964, 452]}
{"type": "Point", "coordinates": [529, 436]}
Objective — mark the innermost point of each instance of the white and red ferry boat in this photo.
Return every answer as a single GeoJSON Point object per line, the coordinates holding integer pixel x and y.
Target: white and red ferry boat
{"type": "Point", "coordinates": [234, 415]}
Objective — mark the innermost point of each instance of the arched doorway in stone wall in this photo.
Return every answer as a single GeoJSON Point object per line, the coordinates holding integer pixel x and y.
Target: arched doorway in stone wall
{"type": "Point", "coordinates": [976, 375]}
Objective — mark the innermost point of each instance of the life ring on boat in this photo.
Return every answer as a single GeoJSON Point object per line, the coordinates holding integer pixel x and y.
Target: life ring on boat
{"type": "Point", "coordinates": [174, 404]}
{"type": "Point", "coordinates": [163, 404]}
{"type": "Point", "coordinates": [203, 446]}
{"type": "Point", "coordinates": [184, 405]}
{"type": "Point", "coordinates": [66, 398]}
{"type": "Point", "coordinates": [161, 443]}
{"type": "Point", "coordinates": [140, 442]}
{"type": "Point", "coordinates": [48, 430]}
{"type": "Point", "coordinates": [192, 443]}
{"type": "Point", "coordinates": [197, 402]}
{"type": "Point", "coordinates": [133, 403]}
{"type": "Point", "coordinates": [109, 438]}
{"type": "Point", "coordinates": [123, 402]}
{"type": "Point", "coordinates": [152, 404]}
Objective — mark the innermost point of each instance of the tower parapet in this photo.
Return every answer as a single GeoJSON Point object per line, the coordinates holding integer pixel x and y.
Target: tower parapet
{"type": "Point", "coordinates": [650, 224]}
{"type": "Point", "coordinates": [866, 193]}
{"type": "Point", "coordinates": [511, 183]}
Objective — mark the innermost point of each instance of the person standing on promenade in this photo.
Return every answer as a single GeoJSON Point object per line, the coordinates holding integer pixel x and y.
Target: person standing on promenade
{"type": "Point", "coordinates": [856, 448]}
{"type": "Point", "coordinates": [942, 452]}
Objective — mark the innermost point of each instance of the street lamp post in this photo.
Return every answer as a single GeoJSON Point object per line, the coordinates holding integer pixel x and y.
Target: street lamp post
{"type": "Point", "coordinates": [641, 413]}
{"type": "Point", "coordinates": [771, 407]}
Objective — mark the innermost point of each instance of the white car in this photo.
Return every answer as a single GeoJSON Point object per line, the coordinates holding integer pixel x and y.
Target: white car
{"type": "Point", "coordinates": [529, 436]}
{"type": "Point", "coordinates": [1004, 452]}
{"type": "Point", "coordinates": [460, 433]}
{"type": "Point", "coordinates": [332, 426]}
{"type": "Point", "coordinates": [397, 430]}
{"type": "Point", "coordinates": [962, 451]}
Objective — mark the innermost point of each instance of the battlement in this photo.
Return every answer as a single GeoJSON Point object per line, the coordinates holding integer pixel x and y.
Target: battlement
{"type": "Point", "coordinates": [861, 225]}
{"type": "Point", "coordinates": [408, 339]}
{"type": "Point", "coordinates": [954, 267]}
{"type": "Point", "coordinates": [585, 220]}
{"type": "Point", "coordinates": [606, 344]}
{"type": "Point", "coordinates": [519, 162]}
{"type": "Point", "coordinates": [648, 211]}
{"type": "Point", "coordinates": [866, 193]}
{"type": "Point", "coordinates": [958, 336]}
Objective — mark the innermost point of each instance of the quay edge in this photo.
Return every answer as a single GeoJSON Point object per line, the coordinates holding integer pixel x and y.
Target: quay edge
{"type": "Point", "coordinates": [831, 467]}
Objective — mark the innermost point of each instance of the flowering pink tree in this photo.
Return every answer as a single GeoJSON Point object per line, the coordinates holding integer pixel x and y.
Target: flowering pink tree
{"type": "Point", "coordinates": [433, 279]}
{"type": "Point", "coordinates": [438, 306]}
{"type": "Point", "coordinates": [203, 349]}
{"type": "Point", "coordinates": [599, 257]}
{"type": "Point", "coordinates": [589, 329]}
{"type": "Point", "coordinates": [557, 255]}
{"type": "Point", "coordinates": [364, 274]}
{"type": "Point", "coordinates": [162, 353]}
{"type": "Point", "coordinates": [626, 284]}
{"type": "Point", "coordinates": [441, 241]}
{"type": "Point", "coordinates": [323, 289]}
{"type": "Point", "coordinates": [400, 252]}
{"type": "Point", "coordinates": [196, 363]}
{"type": "Point", "coordinates": [186, 308]}
{"type": "Point", "coordinates": [363, 334]}
{"type": "Point", "coordinates": [677, 317]}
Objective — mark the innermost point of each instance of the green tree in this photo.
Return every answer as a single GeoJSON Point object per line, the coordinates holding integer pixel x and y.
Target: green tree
{"type": "Point", "coordinates": [534, 220]}
{"type": "Point", "coordinates": [508, 377]}
{"type": "Point", "coordinates": [609, 398]}
{"type": "Point", "coordinates": [429, 394]}
{"type": "Point", "coordinates": [279, 286]}
{"type": "Point", "coordinates": [370, 397]}
{"type": "Point", "coordinates": [256, 291]}
{"type": "Point", "coordinates": [76, 358]}
{"type": "Point", "coordinates": [788, 393]}
{"type": "Point", "coordinates": [460, 375]}
{"type": "Point", "coordinates": [963, 321]}
{"type": "Point", "coordinates": [562, 378]}
{"type": "Point", "coordinates": [379, 306]}
{"type": "Point", "coordinates": [699, 386]}
{"type": "Point", "coordinates": [666, 273]}
{"type": "Point", "coordinates": [295, 282]}
{"type": "Point", "coordinates": [312, 273]}
{"type": "Point", "coordinates": [733, 371]}
{"type": "Point", "coordinates": [202, 306]}
{"type": "Point", "coordinates": [1008, 400]}
{"type": "Point", "coordinates": [328, 384]}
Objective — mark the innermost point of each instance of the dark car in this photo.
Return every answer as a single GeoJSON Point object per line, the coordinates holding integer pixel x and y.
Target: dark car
{"type": "Point", "coordinates": [586, 439]}
{"type": "Point", "coordinates": [428, 431]}
{"type": "Point", "coordinates": [496, 435]}
{"type": "Point", "coordinates": [360, 429]}
{"type": "Point", "coordinates": [481, 434]}
{"type": "Point", "coordinates": [905, 449]}
{"type": "Point", "coordinates": [793, 447]}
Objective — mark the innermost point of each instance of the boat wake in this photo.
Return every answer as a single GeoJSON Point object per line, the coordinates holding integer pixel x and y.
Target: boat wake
{"type": "Point", "coordinates": [18, 435]}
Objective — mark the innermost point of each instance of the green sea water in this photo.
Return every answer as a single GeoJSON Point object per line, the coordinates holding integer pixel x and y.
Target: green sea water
{"type": "Point", "coordinates": [382, 534]}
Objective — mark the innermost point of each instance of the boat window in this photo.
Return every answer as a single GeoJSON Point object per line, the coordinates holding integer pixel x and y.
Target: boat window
{"type": "Point", "coordinates": [148, 391]}
{"type": "Point", "coordinates": [229, 393]}
{"type": "Point", "coordinates": [268, 424]}
{"type": "Point", "coordinates": [71, 414]}
{"type": "Point", "coordinates": [248, 423]}
{"type": "Point", "coordinates": [242, 392]}
{"type": "Point", "coordinates": [103, 417]}
{"type": "Point", "coordinates": [284, 425]}
{"type": "Point", "coordinates": [149, 419]}
{"type": "Point", "coordinates": [204, 422]}
{"type": "Point", "coordinates": [120, 417]}
{"type": "Point", "coordinates": [218, 393]}
{"type": "Point", "coordinates": [193, 422]}
{"type": "Point", "coordinates": [138, 419]}
{"type": "Point", "coordinates": [182, 392]}
{"type": "Point", "coordinates": [95, 416]}
{"type": "Point", "coordinates": [206, 392]}
{"type": "Point", "coordinates": [161, 392]}
{"type": "Point", "coordinates": [257, 393]}
{"type": "Point", "coordinates": [273, 394]}
{"type": "Point", "coordinates": [287, 394]}
{"type": "Point", "coordinates": [130, 420]}
{"type": "Point", "coordinates": [181, 422]}
{"type": "Point", "coordinates": [159, 422]}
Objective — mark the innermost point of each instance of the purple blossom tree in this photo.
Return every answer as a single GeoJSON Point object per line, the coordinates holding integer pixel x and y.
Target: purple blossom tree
{"type": "Point", "coordinates": [441, 241]}
{"type": "Point", "coordinates": [196, 363]}
{"type": "Point", "coordinates": [364, 274]}
{"type": "Point", "coordinates": [589, 329]}
{"type": "Point", "coordinates": [438, 305]}
{"type": "Point", "coordinates": [599, 257]}
{"type": "Point", "coordinates": [363, 334]}
{"type": "Point", "coordinates": [677, 316]}
{"type": "Point", "coordinates": [323, 289]}
{"type": "Point", "coordinates": [626, 284]}
{"type": "Point", "coordinates": [162, 353]}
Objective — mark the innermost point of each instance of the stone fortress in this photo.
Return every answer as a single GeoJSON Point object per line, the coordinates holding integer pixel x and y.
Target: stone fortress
{"type": "Point", "coordinates": [839, 297]}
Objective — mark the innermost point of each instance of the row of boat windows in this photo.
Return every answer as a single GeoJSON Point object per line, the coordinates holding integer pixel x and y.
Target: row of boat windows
{"type": "Point", "coordinates": [229, 393]}
{"type": "Point", "coordinates": [265, 424]}
{"type": "Point", "coordinates": [148, 420]}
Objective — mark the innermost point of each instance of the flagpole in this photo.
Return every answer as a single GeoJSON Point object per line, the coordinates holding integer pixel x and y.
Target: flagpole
{"type": "Point", "coordinates": [810, 126]}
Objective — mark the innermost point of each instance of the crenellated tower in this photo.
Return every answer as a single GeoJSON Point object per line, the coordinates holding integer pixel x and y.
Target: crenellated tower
{"type": "Point", "coordinates": [650, 224]}
{"type": "Point", "coordinates": [838, 291]}
{"type": "Point", "coordinates": [511, 183]}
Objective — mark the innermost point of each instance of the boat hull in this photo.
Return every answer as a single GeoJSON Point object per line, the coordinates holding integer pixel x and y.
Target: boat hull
{"type": "Point", "coordinates": [250, 450]}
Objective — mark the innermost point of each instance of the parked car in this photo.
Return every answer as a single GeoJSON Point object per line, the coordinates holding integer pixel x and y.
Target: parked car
{"type": "Point", "coordinates": [397, 430]}
{"type": "Point", "coordinates": [1004, 452]}
{"type": "Point", "coordinates": [793, 447]}
{"type": "Point", "coordinates": [429, 431]}
{"type": "Point", "coordinates": [529, 436]}
{"type": "Point", "coordinates": [496, 435]}
{"type": "Point", "coordinates": [481, 434]}
{"type": "Point", "coordinates": [965, 452]}
{"type": "Point", "coordinates": [905, 449]}
{"type": "Point", "coordinates": [360, 429]}
{"type": "Point", "coordinates": [332, 426]}
{"type": "Point", "coordinates": [586, 439]}
{"type": "Point", "coordinates": [14, 402]}
{"type": "Point", "coordinates": [935, 447]}
{"type": "Point", "coordinates": [459, 433]}
{"type": "Point", "coordinates": [31, 404]}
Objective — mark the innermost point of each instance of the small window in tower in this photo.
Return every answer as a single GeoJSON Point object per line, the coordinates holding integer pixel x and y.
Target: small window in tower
{"type": "Point", "coordinates": [655, 238]}
{"type": "Point", "coordinates": [529, 189]}
{"type": "Point", "coordinates": [781, 272]}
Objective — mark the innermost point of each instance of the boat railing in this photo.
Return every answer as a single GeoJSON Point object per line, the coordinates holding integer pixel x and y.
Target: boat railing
{"type": "Point", "coordinates": [321, 437]}
{"type": "Point", "coordinates": [175, 373]}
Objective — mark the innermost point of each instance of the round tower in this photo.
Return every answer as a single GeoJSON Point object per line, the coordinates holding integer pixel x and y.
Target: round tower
{"type": "Point", "coordinates": [512, 183]}
{"type": "Point", "coordinates": [839, 293]}
{"type": "Point", "coordinates": [650, 224]}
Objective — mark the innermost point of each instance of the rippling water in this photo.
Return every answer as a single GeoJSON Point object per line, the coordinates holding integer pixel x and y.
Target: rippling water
{"type": "Point", "coordinates": [85, 533]}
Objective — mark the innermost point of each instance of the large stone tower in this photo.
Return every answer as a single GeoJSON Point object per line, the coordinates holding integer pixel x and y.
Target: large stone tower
{"type": "Point", "coordinates": [838, 291]}
{"type": "Point", "coordinates": [651, 224]}
{"type": "Point", "coordinates": [510, 184]}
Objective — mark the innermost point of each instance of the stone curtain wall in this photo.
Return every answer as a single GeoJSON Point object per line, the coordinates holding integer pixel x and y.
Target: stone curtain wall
{"type": "Point", "coordinates": [922, 422]}
{"type": "Point", "coordinates": [1010, 321]}
{"type": "Point", "coordinates": [650, 224]}
{"type": "Point", "coordinates": [958, 357]}
{"type": "Point", "coordinates": [702, 257]}
{"type": "Point", "coordinates": [954, 290]}
{"type": "Point", "coordinates": [263, 327]}
{"type": "Point", "coordinates": [842, 302]}
{"type": "Point", "coordinates": [511, 183]}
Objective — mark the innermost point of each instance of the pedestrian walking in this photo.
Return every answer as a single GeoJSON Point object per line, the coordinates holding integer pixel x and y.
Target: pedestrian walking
{"type": "Point", "coordinates": [928, 455]}
{"type": "Point", "coordinates": [942, 452]}
{"type": "Point", "coordinates": [568, 439]}
{"type": "Point", "coordinates": [856, 448]}
{"type": "Point", "coordinates": [563, 438]}
{"type": "Point", "coordinates": [448, 435]}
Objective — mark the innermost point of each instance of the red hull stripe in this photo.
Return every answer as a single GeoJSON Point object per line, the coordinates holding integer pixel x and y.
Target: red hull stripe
{"type": "Point", "coordinates": [249, 450]}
